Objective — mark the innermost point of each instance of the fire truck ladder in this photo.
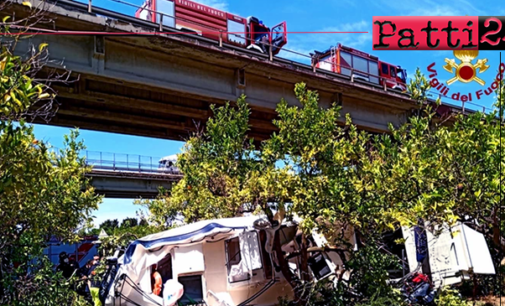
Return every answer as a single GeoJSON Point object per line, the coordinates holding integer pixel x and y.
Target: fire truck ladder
{"type": "Point", "coordinates": [332, 58]}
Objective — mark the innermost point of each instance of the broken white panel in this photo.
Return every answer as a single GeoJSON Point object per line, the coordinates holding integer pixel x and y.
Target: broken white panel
{"type": "Point", "coordinates": [319, 239]}
{"type": "Point", "coordinates": [444, 259]}
{"type": "Point", "coordinates": [331, 259]}
{"type": "Point", "coordinates": [250, 250]}
{"type": "Point", "coordinates": [189, 259]}
{"type": "Point", "coordinates": [458, 250]}
{"type": "Point", "coordinates": [239, 272]}
{"type": "Point", "coordinates": [478, 252]}
{"type": "Point", "coordinates": [223, 298]}
{"type": "Point", "coordinates": [410, 247]}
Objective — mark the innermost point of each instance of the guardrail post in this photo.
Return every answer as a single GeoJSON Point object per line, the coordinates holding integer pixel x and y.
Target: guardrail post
{"type": "Point", "coordinates": [161, 22]}
{"type": "Point", "coordinates": [270, 53]}
{"type": "Point", "coordinates": [89, 6]}
{"type": "Point", "coordinates": [220, 38]}
{"type": "Point", "coordinates": [352, 75]}
{"type": "Point", "coordinates": [385, 86]}
{"type": "Point", "coordinates": [463, 106]}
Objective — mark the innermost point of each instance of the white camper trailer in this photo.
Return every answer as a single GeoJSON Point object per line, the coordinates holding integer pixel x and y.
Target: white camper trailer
{"type": "Point", "coordinates": [453, 253]}
{"type": "Point", "coordinates": [225, 262]}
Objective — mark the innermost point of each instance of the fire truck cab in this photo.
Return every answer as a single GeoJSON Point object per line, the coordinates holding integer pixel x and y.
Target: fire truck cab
{"type": "Point", "coordinates": [193, 17]}
{"type": "Point", "coordinates": [261, 37]}
{"type": "Point", "coordinates": [360, 65]}
{"type": "Point", "coordinates": [394, 76]}
{"type": "Point", "coordinates": [347, 61]}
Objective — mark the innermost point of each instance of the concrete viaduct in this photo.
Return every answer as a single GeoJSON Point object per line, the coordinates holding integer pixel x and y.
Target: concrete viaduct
{"type": "Point", "coordinates": [161, 85]}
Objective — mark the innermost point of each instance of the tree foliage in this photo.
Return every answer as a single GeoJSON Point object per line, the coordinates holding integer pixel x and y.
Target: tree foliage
{"type": "Point", "coordinates": [335, 176]}
{"type": "Point", "coordinates": [108, 226]}
{"type": "Point", "coordinates": [218, 164]}
{"type": "Point", "coordinates": [26, 80]}
{"type": "Point", "coordinates": [43, 192]}
{"type": "Point", "coordinates": [129, 222]}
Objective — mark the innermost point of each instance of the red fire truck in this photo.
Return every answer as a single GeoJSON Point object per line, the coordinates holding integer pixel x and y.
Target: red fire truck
{"type": "Point", "coordinates": [341, 59]}
{"type": "Point", "coordinates": [193, 17]}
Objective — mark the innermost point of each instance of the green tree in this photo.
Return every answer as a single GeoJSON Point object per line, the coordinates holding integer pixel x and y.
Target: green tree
{"type": "Point", "coordinates": [109, 226]}
{"type": "Point", "coordinates": [129, 222]}
{"type": "Point", "coordinates": [43, 192]}
{"type": "Point", "coordinates": [335, 176]}
{"type": "Point", "coordinates": [225, 175]}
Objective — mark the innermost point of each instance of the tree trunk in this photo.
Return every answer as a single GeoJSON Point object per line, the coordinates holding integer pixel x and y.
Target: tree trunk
{"type": "Point", "coordinates": [2, 291]}
{"type": "Point", "coordinates": [497, 240]}
{"type": "Point", "coordinates": [304, 265]}
{"type": "Point", "coordinates": [304, 272]}
{"type": "Point", "coordinates": [283, 263]}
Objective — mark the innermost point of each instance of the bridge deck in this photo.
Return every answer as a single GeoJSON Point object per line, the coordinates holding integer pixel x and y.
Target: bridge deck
{"type": "Point", "coordinates": [128, 176]}
{"type": "Point", "coordinates": [161, 85]}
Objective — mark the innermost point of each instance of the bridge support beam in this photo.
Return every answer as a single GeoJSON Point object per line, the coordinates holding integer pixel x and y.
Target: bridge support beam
{"type": "Point", "coordinates": [128, 187]}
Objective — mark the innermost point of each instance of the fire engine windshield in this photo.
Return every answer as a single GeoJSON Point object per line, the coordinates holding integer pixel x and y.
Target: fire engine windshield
{"type": "Point", "coordinates": [402, 75]}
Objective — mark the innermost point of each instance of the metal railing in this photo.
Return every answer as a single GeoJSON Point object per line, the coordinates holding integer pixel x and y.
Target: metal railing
{"type": "Point", "coordinates": [432, 93]}
{"type": "Point", "coordinates": [126, 162]}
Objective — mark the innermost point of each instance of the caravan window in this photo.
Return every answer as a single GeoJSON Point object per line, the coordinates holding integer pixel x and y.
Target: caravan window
{"type": "Point", "coordinates": [193, 289]}
{"type": "Point", "coordinates": [243, 255]}
{"type": "Point", "coordinates": [233, 260]}
{"type": "Point", "coordinates": [165, 268]}
{"type": "Point", "coordinates": [232, 252]}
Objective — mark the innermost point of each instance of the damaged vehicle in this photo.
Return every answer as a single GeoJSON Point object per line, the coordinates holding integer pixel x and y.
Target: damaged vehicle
{"type": "Point", "coordinates": [228, 262]}
{"type": "Point", "coordinates": [233, 262]}
{"type": "Point", "coordinates": [437, 257]}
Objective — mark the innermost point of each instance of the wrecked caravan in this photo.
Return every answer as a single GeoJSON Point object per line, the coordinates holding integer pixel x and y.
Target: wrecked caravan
{"type": "Point", "coordinates": [226, 262]}
{"type": "Point", "coordinates": [453, 254]}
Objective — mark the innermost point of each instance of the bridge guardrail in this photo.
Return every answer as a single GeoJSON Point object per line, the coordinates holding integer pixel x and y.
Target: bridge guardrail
{"type": "Point", "coordinates": [464, 106]}
{"type": "Point", "coordinates": [118, 162]}
{"type": "Point", "coordinates": [431, 93]}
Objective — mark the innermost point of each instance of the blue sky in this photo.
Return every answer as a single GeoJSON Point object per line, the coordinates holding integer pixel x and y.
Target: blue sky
{"type": "Point", "coordinates": [301, 16]}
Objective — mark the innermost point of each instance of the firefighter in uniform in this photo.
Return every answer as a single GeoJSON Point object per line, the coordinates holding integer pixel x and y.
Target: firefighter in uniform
{"type": "Point", "coordinates": [66, 265]}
